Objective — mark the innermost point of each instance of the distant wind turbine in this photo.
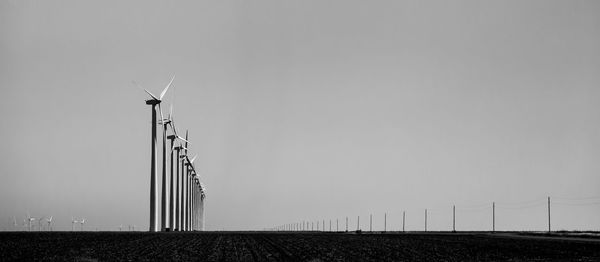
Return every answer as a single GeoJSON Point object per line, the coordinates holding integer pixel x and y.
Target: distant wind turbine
{"type": "Point", "coordinates": [153, 192]}
{"type": "Point", "coordinates": [49, 221]}
{"type": "Point", "coordinates": [40, 223]}
{"type": "Point", "coordinates": [73, 221]}
{"type": "Point", "coordinates": [29, 219]}
{"type": "Point", "coordinates": [82, 222]}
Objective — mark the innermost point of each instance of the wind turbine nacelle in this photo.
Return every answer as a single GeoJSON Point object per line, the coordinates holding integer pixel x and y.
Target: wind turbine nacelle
{"type": "Point", "coordinates": [172, 137]}
{"type": "Point", "coordinates": [152, 102]}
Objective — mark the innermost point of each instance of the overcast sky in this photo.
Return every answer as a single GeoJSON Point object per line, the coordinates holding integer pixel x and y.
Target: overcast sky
{"type": "Point", "coordinates": [306, 110]}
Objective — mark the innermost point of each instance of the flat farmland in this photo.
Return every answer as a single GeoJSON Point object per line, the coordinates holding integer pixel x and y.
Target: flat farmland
{"type": "Point", "coordinates": [274, 246]}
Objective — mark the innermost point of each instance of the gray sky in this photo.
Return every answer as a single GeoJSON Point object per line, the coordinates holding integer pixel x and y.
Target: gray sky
{"type": "Point", "coordinates": [306, 110]}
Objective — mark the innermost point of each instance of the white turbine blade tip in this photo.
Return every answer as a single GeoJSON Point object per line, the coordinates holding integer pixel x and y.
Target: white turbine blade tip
{"type": "Point", "coordinates": [166, 88]}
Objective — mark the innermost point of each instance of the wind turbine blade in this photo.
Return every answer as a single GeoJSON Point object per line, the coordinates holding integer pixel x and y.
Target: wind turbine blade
{"type": "Point", "coordinates": [186, 143]}
{"type": "Point", "coordinates": [193, 158]}
{"type": "Point", "coordinates": [181, 138]}
{"type": "Point", "coordinates": [166, 88]}
{"type": "Point", "coordinates": [148, 92]}
{"type": "Point", "coordinates": [171, 112]}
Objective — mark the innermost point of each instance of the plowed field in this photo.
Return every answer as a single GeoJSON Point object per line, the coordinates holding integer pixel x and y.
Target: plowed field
{"type": "Point", "coordinates": [272, 246]}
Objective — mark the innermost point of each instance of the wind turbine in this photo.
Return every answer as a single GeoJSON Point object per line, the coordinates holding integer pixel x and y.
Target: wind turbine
{"type": "Point", "coordinates": [177, 197]}
{"type": "Point", "coordinates": [202, 197]}
{"type": "Point", "coordinates": [73, 221]}
{"type": "Point", "coordinates": [40, 223]}
{"type": "Point", "coordinates": [168, 122]}
{"type": "Point", "coordinates": [173, 191]}
{"type": "Point", "coordinates": [153, 192]}
{"type": "Point", "coordinates": [82, 222]}
{"type": "Point", "coordinates": [182, 211]}
{"type": "Point", "coordinates": [163, 202]}
{"type": "Point", "coordinates": [190, 169]}
{"type": "Point", "coordinates": [29, 219]}
{"type": "Point", "coordinates": [15, 223]}
{"type": "Point", "coordinates": [49, 220]}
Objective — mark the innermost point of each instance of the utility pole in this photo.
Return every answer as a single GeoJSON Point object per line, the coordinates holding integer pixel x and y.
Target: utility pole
{"type": "Point", "coordinates": [403, 220]}
{"type": "Point", "coordinates": [549, 215]}
{"type": "Point", "coordinates": [493, 217]}
{"type": "Point", "coordinates": [425, 219]}
{"type": "Point", "coordinates": [453, 218]}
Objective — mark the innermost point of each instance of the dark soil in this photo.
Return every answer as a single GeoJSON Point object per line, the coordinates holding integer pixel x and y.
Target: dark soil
{"type": "Point", "coordinates": [273, 246]}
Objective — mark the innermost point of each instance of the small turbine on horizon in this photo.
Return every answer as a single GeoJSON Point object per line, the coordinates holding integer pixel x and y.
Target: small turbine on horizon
{"type": "Point", "coordinates": [49, 221]}
{"type": "Point", "coordinates": [29, 220]}
{"type": "Point", "coordinates": [40, 223]}
{"type": "Point", "coordinates": [73, 221]}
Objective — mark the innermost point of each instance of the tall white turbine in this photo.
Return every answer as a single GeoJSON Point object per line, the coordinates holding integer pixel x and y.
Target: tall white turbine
{"type": "Point", "coordinates": [202, 197]}
{"type": "Point", "coordinates": [194, 194]}
{"type": "Point", "coordinates": [184, 171]}
{"type": "Point", "coordinates": [179, 188]}
{"type": "Point", "coordinates": [191, 170]}
{"type": "Point", "coordinates": [153, 192]}
{"type": "Point", "coordinates": [173, 176]}
{"type": "Point", "coordinates": [82, 222]}
{"type": "Point", "coordinates": [183, 175]}
{"type": "Point", "coordinates": [163, 198]}
{"type": "Point", "coordinates": [177, 217]}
